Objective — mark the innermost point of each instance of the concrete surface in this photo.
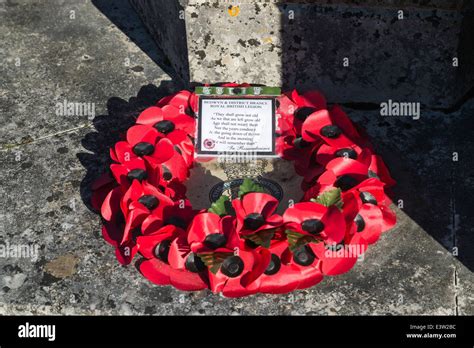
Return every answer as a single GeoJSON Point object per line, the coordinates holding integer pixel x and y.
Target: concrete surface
{"type": "Point", "coordinates": [354, 51]}
{"type": "Point", "coordinates": [48, 160]}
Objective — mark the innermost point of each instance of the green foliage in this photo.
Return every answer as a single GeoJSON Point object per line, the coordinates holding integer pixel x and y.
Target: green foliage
{"type": "Point", "coordinates": [295, 239]}
{"type": "Point", "coordinates": [329, 198]}
{"type": "Point", "coordinates": [214, 260]}
{"type": "Point", "coordinates": [222, 206]}
{"type": "Point", "coordinates": [262, 238]}
{"type": "Point", "coordinates": [248, 185]}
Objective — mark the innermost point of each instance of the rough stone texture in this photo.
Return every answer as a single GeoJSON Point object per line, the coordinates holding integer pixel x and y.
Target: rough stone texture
{"type": "Point", "coordinates": [44, 180]}
{"type": "Point", "coordinates": [59, 58]}
{"type": "Point", "coordinates": [166, 23]}
{"type": "Point", "coordinates": [301, 44]}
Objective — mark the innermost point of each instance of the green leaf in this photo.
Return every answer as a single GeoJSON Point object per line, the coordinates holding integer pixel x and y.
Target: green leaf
{"type": "Point", "coordinates": [329, 198]}
{"type": "Point", "coordinates": [213, 260]}
{"type": "Point", "coordinates": [295, 239]}
{"type": "Point", "coordinates": [248, 185]}
{"type": "Point", "coordinates": [262, 238]}
{"type": "Point", "coordinates": [222, 206]}
{"type": "Point", "coordinates": [293, 236]}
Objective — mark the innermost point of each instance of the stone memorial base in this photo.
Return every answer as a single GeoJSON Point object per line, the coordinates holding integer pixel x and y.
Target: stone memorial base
{"type": "Point", "coordinates": [366, 51]}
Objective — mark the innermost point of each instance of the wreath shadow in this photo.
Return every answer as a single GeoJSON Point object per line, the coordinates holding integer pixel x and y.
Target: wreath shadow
{"type": "Point", "coordinates": [121, 114]}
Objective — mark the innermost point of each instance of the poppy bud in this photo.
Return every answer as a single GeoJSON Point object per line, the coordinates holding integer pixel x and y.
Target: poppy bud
{"type": "Point", "coordinates": [162, 250]}
{"type": "Point", "coordinates": [313, 226]}
{"type": "Point", "coordinates": [300, 143]}
{"type": "Point", "coordinates": [345, 182]}
{"type": "Point", "coordinates": [303, 256]}
{"type": "Point", "coordinates": [254, 221]}
{"type": "Point", "coordinates": [149, 201]}
{"type": "Point", "coordinates": [303, 113]}
{"type": "Point", "coordinates": [367, 197]}
{"type": "Point", "coordinates": [194, 263]}
{"type": "Point", "coordinates": [274, 265]}
{"type": "Point", "coordinates": [215, 240]}
{"type": "Point", "coordinates": [139, 174]}
{"type": "Point", "coordinates": [164, 126]}
{"type": "Point", "coordinates": [143, 149]}
{"type": "Point", "coordinates": [359, 221]}
{"type": "Point", "coordinates": [167, 173]}
{"type": "Point", "coordinates": [232, 266]}
{"type": "Point", "coordinates": [331, 131]}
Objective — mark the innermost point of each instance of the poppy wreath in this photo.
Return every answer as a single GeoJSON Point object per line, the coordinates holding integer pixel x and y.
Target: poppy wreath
{"type": "Point", "coordinates": [242, 246]}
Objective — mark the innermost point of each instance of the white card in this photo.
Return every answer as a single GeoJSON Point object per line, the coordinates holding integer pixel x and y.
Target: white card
{"type": "Point", "coordinates": [230, 125]}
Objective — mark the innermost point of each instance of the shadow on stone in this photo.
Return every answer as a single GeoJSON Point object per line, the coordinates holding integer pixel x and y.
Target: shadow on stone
{"type": "Point", "coordinates": [122, 14]}
{"type": "Point", "coordinates": [108, 129]}
{"type": "Point", "coordinates": [372, 51]}
{"type": "Point", "coordinates": [432, 190]}
{"type": "Point", "coordinates": [360, 54]}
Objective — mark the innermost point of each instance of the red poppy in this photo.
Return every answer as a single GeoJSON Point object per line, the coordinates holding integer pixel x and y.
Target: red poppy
{"type": "Point", "coordinates": [302, 107]}
{"type": "Point", "coordinates": [291, 146]}
{"type": "Point", "coordinates": [307, 167]}
{"type": "Point", "coordinates": [342, 121]}
{"type": "Point", "coordinates": [160, 273]}
{"type": "Point", "coordinates": [326, 153]}
{"type": "Point", "coordinates": [136, 168]}
{"type": "Point", "coordinates": [370, 190]}
{"type": "Point", "coordinates": [147, 243]}
{"type": "Point", "coordinates": [173, 124]}
{"type": "Point", "coordinates": [170, 260]}
{"type": "Point", "coordinates": [340, 258]}
{"type": "Point", "coordinates": [377, 168]}
{"type": "Point", "coordinates": [366, 206]}
{"type": "Point", "coordinates": [310, 274]}
{"type": "Point", "coordinates": [180, 214]}
{"type": "Point", "coordinates": [289, 271]}
{"type": "Point", "coordinates": [341, 172]}
{"type": "Point", "coordinates": [113, 234]}
{"type": "Point", "coordinates": [143, 143]}
{"type": "Point", "coordinates": [139, 202]}
{"type": "Point", "coordinates": [209, 232]}
{"type": "Point", "coordinates": [184, 101]}
{"type": "Point", "coordinates": [229, 278]}
{"type": "Point", "coordinates": [316, 220]}
{"type": "Point", "coordinates": [291, 115]}
{"type": "Point", "coordinates": [280, 276]}
{"type": "Point", "coordinates": [100, 188]}
{"type": "Point", "coordinates": [110, 208]}
{"type": "Point", "coordinates": [334, 127]}
{"type": "Point", "coordinates": [255, 212]}
{"type": "Point", "coordinates": [216, 237]}
{"type": "Point", "coordinates": [319, 125]}
{"type": "Point", "coordinates": [175, 169]}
